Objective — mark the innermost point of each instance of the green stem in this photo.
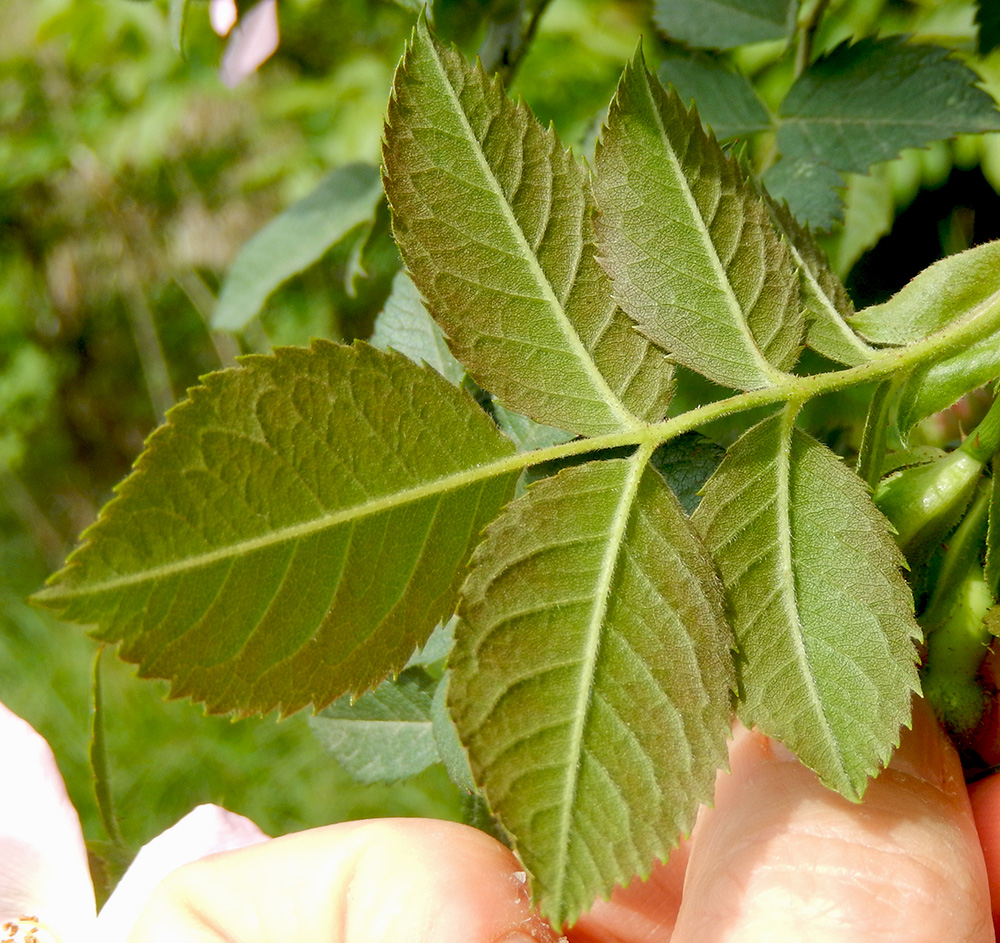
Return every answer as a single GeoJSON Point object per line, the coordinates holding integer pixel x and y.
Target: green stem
{"type": "Point", "coordinates": [984, 443]}
{"type": "Point", "coordinates": [806, 34]}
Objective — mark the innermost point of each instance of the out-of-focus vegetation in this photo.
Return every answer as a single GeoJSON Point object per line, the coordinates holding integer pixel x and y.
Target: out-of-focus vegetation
{"type": "Point", "coordinates": [129, 178]}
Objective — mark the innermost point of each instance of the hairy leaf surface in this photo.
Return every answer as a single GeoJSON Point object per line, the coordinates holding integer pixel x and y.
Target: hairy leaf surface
{"type": "Point", "coordinates": [294, 531]}
{"type": "Point", "coordinates": [821, 613]}
{"type": "Point", "coordinates": [694, 258]}
{"type": "Point", "coordinates": [294, 240]}
{"type": "Point", "coordinates": [727, 102]}
{"type": "Point", "coordinates": [823, 295]}
{"type": "Point", "coordinates": [386, 734]}
{"type": "Point", "coordinates": [958, 286]}
{"type": "Point", "coordinates": [723, 24]}
{"type": "Point", "coordinates": [591, 677]}
{"type": "Point", "coordinates": [493, 219]}
{"type": "Point", "coordinates": [864, 102]}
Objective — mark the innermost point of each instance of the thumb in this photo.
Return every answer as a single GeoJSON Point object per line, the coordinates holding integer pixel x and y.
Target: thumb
{"type": "Point", "coordinates": [782, 857]}
{"type": "Point", "coordinates": [378, 881]}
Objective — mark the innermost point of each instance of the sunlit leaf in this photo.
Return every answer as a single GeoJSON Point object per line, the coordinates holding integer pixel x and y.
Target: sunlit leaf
{"type": "Point", "coordinates": [727, 102]}
{"type": "Point", "coordinates": [723, 24]}
{"type": "Point", "coordinates": [690, 247]}
{"type": "Point", "coordinates": [291, 242]}
{"type": "Point", "coordinates": [295, 530]}
{"type": "Point", "coordinates": [591, 676]}
{"type": "Point", "coordinates": [385, 735]}
{"type": "Point", "coordinates": [864, 102]}
{"type": "Point", "coordinates": [492, 218]}
{"type": "Point", "coordinates": [821, 613]}
{"type": "Point", "coordinates": [405, 325]}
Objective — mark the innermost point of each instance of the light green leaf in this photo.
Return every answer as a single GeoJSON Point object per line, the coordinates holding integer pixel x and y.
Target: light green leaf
{"type": "Point", "coordinates": [591, 678]}
{"type": "Point", "coordinates": [727, 102]}
{"type": "Point", "coordinates": [525, 433]}
{"type": "Point", "coordinates": [385, 735]}
{"type": "Point", "coordinates": [690, 247]}
{"type": "Point", "coordinates": [294, 240]}
{"type": "Point", "coordinates": [294, 531]}
{"type": "Point", "coordinates": [449, 745]}
{"type": "Point", "coordinates": [822, 615]}
{"type": "Point", "coordinates": [864, 102]}
{"type": "Point", "coordinates": [492, 218]}
{"type": "Point", "coordinates": [178, 11]}
{"type": "Point", "coordinates": [822, 293]}
{"type": "Point", "coordinates": [937, 386]}
{"type": "Point", "coordinates": [956, 287]}
{"type": "Point", "coordinates": [405, 325]}
{"type": "Point", "coordinates": [723, 24]}
{"type": "Point", "coordinates": [436, 647]}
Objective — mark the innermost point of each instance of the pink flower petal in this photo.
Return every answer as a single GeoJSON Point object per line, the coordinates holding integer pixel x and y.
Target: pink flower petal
{"type": "Point", "coordinates": [253, 41]}
{"type": "Point", "coordinates": [222, 15]}
{"type": "Point", "coordinates": [203, 831]}
{"type": "Point", "coordinates": [43, 860]}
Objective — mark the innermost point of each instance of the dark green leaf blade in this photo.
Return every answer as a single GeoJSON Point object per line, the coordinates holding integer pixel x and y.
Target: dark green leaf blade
{"type": "Point", "coordinates": [723, 24]}
{"type": "Point", "coordinates": [492, 218]}
{"type": "Point", "coordinates": [691, 250]}
{"type": "Point", "coordinates": [821, 613]}
{"type": "Point", "coordinates": [294, 531]}
{"type": "Point", "coordinates": [591, 678]}
{"type": "Point", "coordinates": [385, 735]}
{"type": "Point", "coordinates": [864, 102]}
{"type": "Point", "coordinates": [344, 199]}
{"type": "Point", "coordinates": [727, 102]}
{"type": "Point", "coordinates": [813, 191]}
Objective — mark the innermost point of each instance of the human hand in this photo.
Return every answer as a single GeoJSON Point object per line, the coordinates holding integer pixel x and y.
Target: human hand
{"type": "Point", "coordinates": [779, 857]}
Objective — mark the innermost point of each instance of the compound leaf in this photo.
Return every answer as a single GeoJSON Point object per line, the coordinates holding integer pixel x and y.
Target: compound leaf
{"type": "Point", "coordinates": [344, 199]}
{"type": "Point", "coordinates": [297, 527]}
{"type": "Point", "coordinates": [864, 102]}
{"type": "Point", "coordinates": [723, 24]}
{"type": "Point", "coordinates": [591, 677]}
{"type": "Point", "coordinates": [694, 258]}
{"type": "Point", "coordinates": [821, 613]}
{"type": "Point", "coordinates": [386, 734]}
{"type": "Point", "coordinates": [493, 219]}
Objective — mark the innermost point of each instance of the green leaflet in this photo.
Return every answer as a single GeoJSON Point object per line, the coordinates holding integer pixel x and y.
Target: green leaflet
{"type": "Point", "coordinates": [821, 613]}
{"type": "Point", "coordinates": [726, 100]}
{"type": "Point", "coordinates": [694, 258]}
{"type": "Point", "coordinates": [385, 735]}
{"type": "Point", "coordinates": [294, 531]}
{"type": "Point", "coordinates": [492, 218]}
{"type": "Point", "coordinates": [823, 295]}
{"type": "Point", "coordinates": [591, 677]}
{"type": "Point", "coordinates": [811, 190]}
{"type": "Point", "coordinates": [344, 199]}
{"type": "Point", "coordinates": [958, 286]}
{"type": "Point", "coordinates": [723, 24]}
{"type": "Point", "coordinates": [864, 102]}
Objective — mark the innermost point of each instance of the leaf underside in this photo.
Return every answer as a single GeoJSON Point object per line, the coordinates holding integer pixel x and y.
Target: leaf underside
{"type": "Point", "coordinates": [591, 678]}
{"type": "Point", "coordinates": [694, 258]}
{"type": "Point", "coordinates": [821, 613]}
{"type": "Point", "coordinates": [493, 220]}
{"type": "Point", "coordinates": [293, 532]}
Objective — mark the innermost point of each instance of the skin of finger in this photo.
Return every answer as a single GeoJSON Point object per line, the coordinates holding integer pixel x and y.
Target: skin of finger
{"type": "Point", "coordinates": [782, 857]}
{"type": "Point", "coordinates": [644, 911]}
{"type": "Point", "coordinates": [377, 881]}
{"type": "Point", "coordinates": [985, 796]}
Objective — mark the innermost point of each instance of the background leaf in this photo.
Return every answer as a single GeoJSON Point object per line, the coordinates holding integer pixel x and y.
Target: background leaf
{"type": "Point", "coordinates": [727, 102]}
{"type": "Point", "coordinates": [864, 102]}
{"type": "Point", "coordinates": [988, 21]}
{"type": "Point", "coordinates": [492, 218]}
{"type": "Point", "coordinates": [591, 676]}
{"type": "Point", "coordinates": [694, 258]}
{"type": "Point", "coordinates": [686, 463]}
{"type": "Point", "coordinates": [385, 735]}
{"type": "Point", "coordinates": [992, 568]}
{"type": "Point", "coordinates": [294, 240]}
{"type": "Point", "coordinates": [723, 24]}
{"type": "Point", "coordinates": [404, 325]}
{"type": "Point", "coordinates": [822, 616]}
{"type": "Point", "coordinates": [294, 531]}
{"type": "Point", "coordinates": [811, 190]}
